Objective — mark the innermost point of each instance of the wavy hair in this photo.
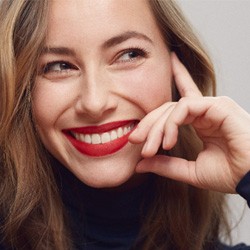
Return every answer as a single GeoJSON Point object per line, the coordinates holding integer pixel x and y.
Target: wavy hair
{"type": "Point", "coordinates": [184, 217]}
{"type": "Point", "coordinates": [31, 211]}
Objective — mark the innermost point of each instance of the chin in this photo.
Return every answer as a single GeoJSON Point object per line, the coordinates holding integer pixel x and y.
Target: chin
{"type": "Point", "coordinates": [108, 182]}
{"type": "Point", "coordinates": [108, 178]}
{"type": "Point", "coordinates": [118, 184]}
{"type": "Point", "coordinates": [111, 171]}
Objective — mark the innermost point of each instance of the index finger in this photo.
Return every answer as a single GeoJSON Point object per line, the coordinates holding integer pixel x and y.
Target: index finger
{"type": "Point", "coordinates": [183, 80]}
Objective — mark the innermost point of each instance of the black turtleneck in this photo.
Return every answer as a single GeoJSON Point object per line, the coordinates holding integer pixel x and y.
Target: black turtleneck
{"type": "Point", "coordinates": [103, 218]}
{"type": "Point", "coordinates": [106, 219]}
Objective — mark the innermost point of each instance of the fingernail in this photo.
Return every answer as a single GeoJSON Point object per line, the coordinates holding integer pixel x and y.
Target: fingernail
{"type": "Point", "coordinates": [165, 141]}
{"type": "Point", "coordinates": [145, 148]}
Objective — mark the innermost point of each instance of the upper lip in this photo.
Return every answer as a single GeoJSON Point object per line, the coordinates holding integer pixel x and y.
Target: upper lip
{"type": "Point", "coordinates": [100, 128]}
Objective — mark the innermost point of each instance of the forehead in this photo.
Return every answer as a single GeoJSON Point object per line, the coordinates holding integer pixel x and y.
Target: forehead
{"type": "Point", "coordinates": [97, 20]}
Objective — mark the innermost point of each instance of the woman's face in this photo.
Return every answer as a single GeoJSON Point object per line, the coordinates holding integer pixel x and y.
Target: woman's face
{"type": "Point", "coordinates": [104, 67]}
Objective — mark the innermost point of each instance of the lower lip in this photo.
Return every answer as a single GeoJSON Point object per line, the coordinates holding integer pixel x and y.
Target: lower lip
{"type": "Point", "coordinates": [98, 150]}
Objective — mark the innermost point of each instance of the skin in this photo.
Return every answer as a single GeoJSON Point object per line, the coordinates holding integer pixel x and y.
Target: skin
{"type": "Point", "coordinates": [221, 124]}
{"type": "Point", "coordinates": [105, 88]}
{"type": "Point", "coordinates": [105, 84]}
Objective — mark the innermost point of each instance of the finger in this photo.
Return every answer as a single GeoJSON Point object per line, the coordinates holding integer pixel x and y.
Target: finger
{"type": "Point", "coordinates": [156, 134]}
{"type": "Point", "coordinates": [190, 110]}
{"type": "Point", "coordinates": [170, 167]}
{"type": "Point", "coordinates": [140, 134]}
{"type": "Point", "coordinates": [183, 80]}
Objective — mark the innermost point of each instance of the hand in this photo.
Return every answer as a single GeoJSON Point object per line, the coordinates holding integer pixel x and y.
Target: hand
{"type": "Point", "coordinates": [220, 123]}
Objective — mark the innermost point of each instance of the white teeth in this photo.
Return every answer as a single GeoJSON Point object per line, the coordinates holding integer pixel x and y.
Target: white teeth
{"type": "Point", "coordinates": [103, 137]}
{"type": "Point", "coordinates": [96, 139]}
{"type": "Point", "coordinates": [77, 136]}
{"type": "Point", "coordinates": [87, 139]}
{"type": "Point", "coordinates": [81, 137]}
{"type": "Point", "coordinates": [113, 135]}
{"type": "Point", "coordinates": [119, 132]}
{"type": "Point", "coordinates": [125, 130]}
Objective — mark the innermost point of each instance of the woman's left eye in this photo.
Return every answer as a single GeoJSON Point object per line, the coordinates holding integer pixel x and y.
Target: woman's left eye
{"type": "Point", "coordinates": [132, 55]}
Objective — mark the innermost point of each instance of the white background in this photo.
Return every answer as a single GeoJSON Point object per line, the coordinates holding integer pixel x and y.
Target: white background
{"type": "Point", "coordinates": [224, 26]}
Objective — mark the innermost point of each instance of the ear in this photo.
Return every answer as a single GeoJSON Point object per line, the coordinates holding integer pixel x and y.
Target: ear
{"type": "Point", "coordinates": [174, 92]}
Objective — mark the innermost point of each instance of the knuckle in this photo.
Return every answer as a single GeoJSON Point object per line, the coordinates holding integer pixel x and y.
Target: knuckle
{"type": "Point", "coordinates": [225, 101]}
{"type": "Point", "coordinates": [184, 101]}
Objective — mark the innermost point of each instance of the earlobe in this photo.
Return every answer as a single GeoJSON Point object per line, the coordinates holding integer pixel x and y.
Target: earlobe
{"type": "Point", "coordinates": [184, 81]}
{"type": "Point", "coordinates": [175, 95]}
{"type": "Point", "coordinates": [174, 92]}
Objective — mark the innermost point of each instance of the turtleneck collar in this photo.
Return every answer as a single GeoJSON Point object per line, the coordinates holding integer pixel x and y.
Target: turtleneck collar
{"type": "Point", "coordinates": [103, 218]}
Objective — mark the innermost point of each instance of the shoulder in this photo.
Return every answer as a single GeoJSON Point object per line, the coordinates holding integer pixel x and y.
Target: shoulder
{"type": "Point", "coordinates": [243, 188]}
{"type": "Point", "coordinates": [236, 247]}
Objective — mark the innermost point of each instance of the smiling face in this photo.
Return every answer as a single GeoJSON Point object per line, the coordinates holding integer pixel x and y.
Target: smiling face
{"type": "Point", "coordinates": [104, 67]}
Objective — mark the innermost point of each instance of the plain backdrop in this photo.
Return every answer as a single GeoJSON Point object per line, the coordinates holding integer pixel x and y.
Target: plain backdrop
{"type": "Point", "coordinates": [224, 27]}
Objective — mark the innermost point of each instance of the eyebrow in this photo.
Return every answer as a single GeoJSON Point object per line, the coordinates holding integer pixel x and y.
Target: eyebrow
{"type": "Point", "coordinates": [124, 37]}
{"type": "Point", "coordinates": [58, 51]}
{"type": "Point", "coordinates": [107, 44]}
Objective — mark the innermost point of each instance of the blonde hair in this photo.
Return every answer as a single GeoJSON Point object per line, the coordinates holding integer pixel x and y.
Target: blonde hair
{"type": "Point", "coordinates": [191, 218]}
{"type": "Point", "coordinates": [31, 214]}
{"type": "Point", "coordinates": [182, 216]}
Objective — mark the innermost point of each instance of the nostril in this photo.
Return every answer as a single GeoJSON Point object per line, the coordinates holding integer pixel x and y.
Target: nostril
{"type": "Point", "coordinates": [95, 105]}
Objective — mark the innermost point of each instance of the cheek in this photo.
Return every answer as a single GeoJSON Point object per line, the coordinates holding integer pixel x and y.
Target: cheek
{"type": "Point", "coordinates": [149, 88]}
{"type": "Point", "coordinates": [48, 104]}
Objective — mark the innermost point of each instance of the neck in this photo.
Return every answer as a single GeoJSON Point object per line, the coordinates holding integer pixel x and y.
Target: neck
{"type": "Point", "coordinates": [107, 213]}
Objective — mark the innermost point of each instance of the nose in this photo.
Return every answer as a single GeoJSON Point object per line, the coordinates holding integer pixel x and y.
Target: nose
{"type": "Point", "coordinates": [95, 98]}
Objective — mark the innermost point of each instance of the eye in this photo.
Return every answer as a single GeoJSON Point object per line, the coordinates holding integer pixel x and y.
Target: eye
{"type": "Point", "coordinates": [132, 54]}
{"type": "Point", "coordinates": [58, 67]}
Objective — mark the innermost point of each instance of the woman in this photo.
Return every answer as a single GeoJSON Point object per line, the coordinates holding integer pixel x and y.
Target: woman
{"type": "Point", "coordinates": [96, 108]}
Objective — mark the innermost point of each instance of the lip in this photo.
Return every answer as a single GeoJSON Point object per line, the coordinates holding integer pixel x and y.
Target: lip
{"type": "Point", "coordinates": [103, 149]}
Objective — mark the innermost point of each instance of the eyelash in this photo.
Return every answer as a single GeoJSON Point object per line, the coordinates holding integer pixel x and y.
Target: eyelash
{"type": "Point", "coordinates": [47, 68]}
{"type": "Point", "coordinates": [139, 53]}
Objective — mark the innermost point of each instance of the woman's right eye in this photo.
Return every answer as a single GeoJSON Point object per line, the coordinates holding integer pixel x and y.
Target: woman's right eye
{"type": "Point", "coordinates": [58, 67]}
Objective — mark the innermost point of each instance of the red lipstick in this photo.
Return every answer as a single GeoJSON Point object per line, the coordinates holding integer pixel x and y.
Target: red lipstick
{"type": "Point", "coordinates": [101, 140]}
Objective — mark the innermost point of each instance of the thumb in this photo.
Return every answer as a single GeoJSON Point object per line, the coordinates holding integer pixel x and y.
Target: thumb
{"type": "Point", "coordinates": [171, 167]}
